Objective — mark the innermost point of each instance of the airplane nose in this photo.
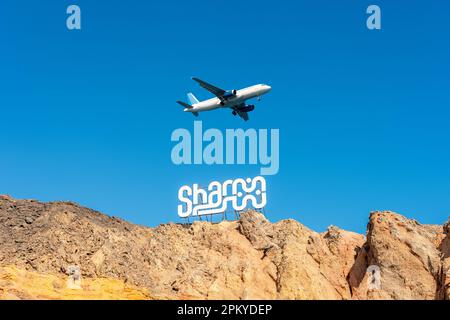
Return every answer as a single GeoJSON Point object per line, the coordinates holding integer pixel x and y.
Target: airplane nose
{"type": "Point", "coordinates": [268, 88]}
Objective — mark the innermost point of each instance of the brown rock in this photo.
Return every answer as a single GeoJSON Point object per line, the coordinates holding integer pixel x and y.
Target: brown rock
{"type": "Point", "coordinates": [406, 254]}
{"type": "Point", "coordinates": [247, 259]}
{"type": "Point", "coordinates": [445, 249]}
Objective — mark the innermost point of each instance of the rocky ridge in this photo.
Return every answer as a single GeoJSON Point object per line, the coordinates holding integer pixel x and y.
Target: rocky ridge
{"type": "Point", "coordinates": [251, 258]}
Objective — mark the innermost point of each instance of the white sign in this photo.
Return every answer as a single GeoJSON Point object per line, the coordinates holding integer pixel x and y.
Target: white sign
{"type": "Point", "coordinates": [217, 197]}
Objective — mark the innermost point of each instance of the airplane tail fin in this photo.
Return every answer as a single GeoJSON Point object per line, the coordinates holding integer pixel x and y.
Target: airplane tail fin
{"type": "Point", "coordinates": [192, 98]}
{"type": "Point", "coordinates": [184, 104]}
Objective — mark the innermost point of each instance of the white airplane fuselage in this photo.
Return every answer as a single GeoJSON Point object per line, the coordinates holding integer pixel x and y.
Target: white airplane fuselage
{"type": "Point", "coordinates": [240, 97]}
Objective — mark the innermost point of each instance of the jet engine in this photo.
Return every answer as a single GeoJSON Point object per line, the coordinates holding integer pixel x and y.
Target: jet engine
{"type": "Point", "coordinates": [230, 94]}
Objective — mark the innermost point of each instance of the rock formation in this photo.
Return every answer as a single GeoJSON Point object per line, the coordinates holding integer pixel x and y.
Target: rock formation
{"type": "Point", "coordinates": [250, 258]}
{"type": "Point", "coordinates": [445, 251]}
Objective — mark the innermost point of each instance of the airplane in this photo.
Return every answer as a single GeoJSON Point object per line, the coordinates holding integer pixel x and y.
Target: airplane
{"type": "Point", "coordinates": [234, 99]}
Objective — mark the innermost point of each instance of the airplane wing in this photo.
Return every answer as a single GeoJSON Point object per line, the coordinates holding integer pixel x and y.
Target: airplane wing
{"type": "Point", "coordinates": [213, 89]}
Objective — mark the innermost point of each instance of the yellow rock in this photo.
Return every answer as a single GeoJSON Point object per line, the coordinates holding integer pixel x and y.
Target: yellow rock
{"type": "Point", "coordinates": [21, 284]}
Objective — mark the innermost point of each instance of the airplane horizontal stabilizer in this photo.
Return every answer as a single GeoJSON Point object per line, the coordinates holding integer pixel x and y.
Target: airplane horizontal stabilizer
{"type": "Point", "coordinates": [184, 104]}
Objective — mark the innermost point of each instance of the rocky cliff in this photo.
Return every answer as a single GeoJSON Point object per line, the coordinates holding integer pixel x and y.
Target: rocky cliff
{"type": "Point", "coordinates": [251, 258]}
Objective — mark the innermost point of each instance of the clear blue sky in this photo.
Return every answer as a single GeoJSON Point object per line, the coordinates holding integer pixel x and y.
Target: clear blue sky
{"type": "Point", "coordinates": [363, 115]}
